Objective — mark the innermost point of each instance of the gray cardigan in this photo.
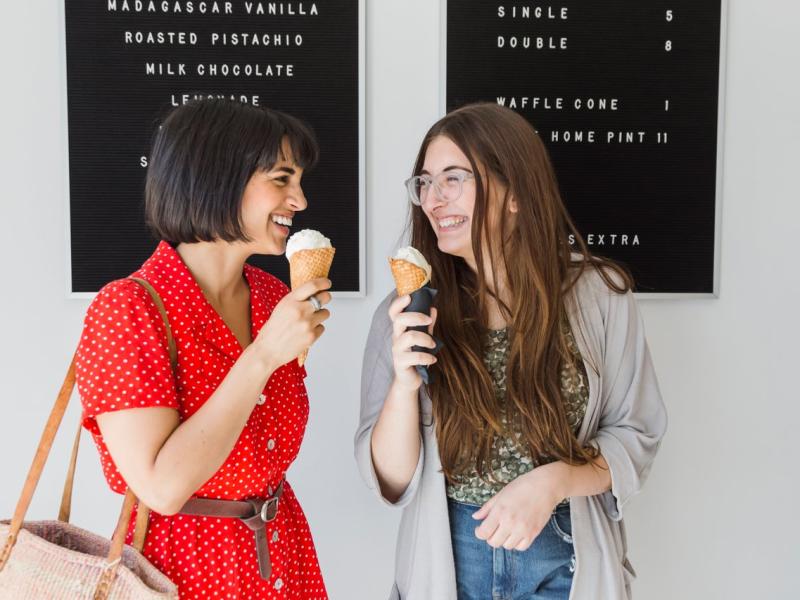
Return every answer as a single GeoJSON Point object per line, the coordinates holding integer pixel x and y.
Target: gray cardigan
{"type": "Point", "coordinates": [625, 418]}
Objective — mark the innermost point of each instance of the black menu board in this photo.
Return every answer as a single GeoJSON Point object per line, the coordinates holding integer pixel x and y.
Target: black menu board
{"type": "Point", "coordinates": [131, 61]}
{"type": "Point", "coordinates": [626, 96]}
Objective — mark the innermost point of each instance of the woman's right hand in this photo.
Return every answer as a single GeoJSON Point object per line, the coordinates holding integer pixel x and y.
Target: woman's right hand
{"type": "Point", "coordinates": [294, 325]}
{"type": "Point", "coordinates": [403, 357]}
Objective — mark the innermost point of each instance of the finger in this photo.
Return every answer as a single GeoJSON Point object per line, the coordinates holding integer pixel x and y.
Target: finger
{"type": "Point", "coordinates": [512, 541]}
{"type": "Point", "coordinates": [318, 331]}
{"type": "Point", "coordinates": [524, 544]}
{"type": "Point", "coordinates": [412, 359]}
{"type": "Point", "coordinates": [499, 537]}
{"type": "Point", "coordinates": [405, 359]}
{"type": "Point", "coordinates": [415, 338]}
{"type": "Point", "coordinates": [434, 314]}
{"type": "Point", "coordinates": [480, 514]}
{"type": "Point", "coordinates": [487, 528]}
{"type": "Point", "coordinates": [405, 320]}
{"type": "Point", "coordinates": [397, 305]}
{"type": "Point", "coordinates": [318, 316]}
{"type": "Point", "coordinates": [323, 297]}
{"type": "Point", "coordinates": [311, 287]}
{"type": "Point", "coordinates": [528, 539]}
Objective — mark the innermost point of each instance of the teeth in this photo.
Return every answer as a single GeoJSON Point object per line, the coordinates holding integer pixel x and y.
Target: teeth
{"type": "Point", "coordinates": [282, 220]}
{"type": "Point", "coordinates": [451, 222]}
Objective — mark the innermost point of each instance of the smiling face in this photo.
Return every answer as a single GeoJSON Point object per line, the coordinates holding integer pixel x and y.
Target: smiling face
{"type": "Point", "coordinates": [452, 220]}
{"type": "Point", "coordinates": [269, 203]}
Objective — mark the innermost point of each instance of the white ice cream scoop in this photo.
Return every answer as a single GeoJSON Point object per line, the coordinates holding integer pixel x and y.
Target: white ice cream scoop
{"type": "Point", "coordinates": [414, 256]}
{"type": "Point", "coordinates": [306, 239]}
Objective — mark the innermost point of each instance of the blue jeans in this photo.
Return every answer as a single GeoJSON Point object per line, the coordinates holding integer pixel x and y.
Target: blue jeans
{"type": "Point", "coordinates": [542, 572]}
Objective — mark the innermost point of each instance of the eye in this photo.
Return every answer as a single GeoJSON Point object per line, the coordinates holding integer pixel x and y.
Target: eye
{"type": "Point", "coordinates": [283, 179]}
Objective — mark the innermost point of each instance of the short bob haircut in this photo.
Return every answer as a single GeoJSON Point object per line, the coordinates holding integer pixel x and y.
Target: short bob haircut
{"type": "Point", "coordinates": [202, 157]}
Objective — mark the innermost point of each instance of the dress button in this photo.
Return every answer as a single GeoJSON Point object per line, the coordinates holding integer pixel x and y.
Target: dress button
{"type": "Point", "coordinates": [274, 536]}
{"type": "Point", "coordinates": [262, 398]}
{"type": "Point", "coordinates": [278, 583]}
{"type": "Point", "coordinates": [271, 445]}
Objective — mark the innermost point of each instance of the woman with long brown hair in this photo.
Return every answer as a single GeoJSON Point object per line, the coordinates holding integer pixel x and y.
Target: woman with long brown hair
{"type": "Point", "coordinates": [544, 414]}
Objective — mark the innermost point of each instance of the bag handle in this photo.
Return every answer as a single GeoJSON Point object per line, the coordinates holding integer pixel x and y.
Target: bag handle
{"type": "Point", "coordinates": [43, 452]}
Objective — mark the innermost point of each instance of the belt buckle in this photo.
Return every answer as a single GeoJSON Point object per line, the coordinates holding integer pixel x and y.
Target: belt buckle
{"type": "Point", "coordinates": [269, 510]}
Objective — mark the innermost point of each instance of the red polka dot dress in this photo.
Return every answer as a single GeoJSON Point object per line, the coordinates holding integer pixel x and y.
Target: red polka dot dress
{"type": "Point", "coordinates": [123, 363]}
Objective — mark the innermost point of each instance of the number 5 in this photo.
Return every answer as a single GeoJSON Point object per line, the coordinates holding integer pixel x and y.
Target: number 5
{"type": "Point", "coordinates": [669, 15]}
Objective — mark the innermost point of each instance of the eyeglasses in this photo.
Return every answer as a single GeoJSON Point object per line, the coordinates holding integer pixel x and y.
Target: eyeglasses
{"type": "Point", "coordinates": [448, 185]}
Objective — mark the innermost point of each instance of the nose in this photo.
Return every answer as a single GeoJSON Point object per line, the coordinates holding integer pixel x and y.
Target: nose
{"type": "Point", "coordinates": [433, 199]}
{"type": "Point", "coordinates": [297, 199]}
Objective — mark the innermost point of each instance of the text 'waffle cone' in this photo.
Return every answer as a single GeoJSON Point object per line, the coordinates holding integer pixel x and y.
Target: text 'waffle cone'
{"type": "Point", "coordinates": [408, 277]}
{"type": "Point", "coordinates": [305, 265]}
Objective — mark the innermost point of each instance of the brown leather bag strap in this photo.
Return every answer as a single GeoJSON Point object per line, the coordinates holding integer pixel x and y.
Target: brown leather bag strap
{"type": "Point", "coordinates": [66, 496]}
{"type": "Point", "coordinates": [173, 350]}
{"type": "Point", "coordinates": [115, 551]}
{"type": "Point", "coordinates": [142, 524]}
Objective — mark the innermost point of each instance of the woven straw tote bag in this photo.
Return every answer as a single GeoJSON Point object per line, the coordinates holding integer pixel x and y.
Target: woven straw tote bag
{"type": "Point", "coordinates": [54, 560]}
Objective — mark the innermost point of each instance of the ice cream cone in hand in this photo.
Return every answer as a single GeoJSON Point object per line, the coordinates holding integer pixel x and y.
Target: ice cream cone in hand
{"type": "Point", "coordinates": [411, 274]}
{"type": "Point", "coordinates": [410, 270]}
{"type": "Point", "coordinates": [310, 256]}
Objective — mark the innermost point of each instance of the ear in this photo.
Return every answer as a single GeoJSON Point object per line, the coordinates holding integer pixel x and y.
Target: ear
{"type": "Point", "coordinates": [512, 205]}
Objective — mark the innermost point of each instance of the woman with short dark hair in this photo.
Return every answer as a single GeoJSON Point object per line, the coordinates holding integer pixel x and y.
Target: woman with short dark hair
{"type": "Point", "coordinates": [543, 416]}
{"type": "Point", "coordinates": [205, 440]}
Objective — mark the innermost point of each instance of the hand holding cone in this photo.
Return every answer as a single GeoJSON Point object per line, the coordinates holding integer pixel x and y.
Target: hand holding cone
{"type": "Point", "coordinates": [412, 272]}
{"type": "Point", "coordinates": [310, 256]}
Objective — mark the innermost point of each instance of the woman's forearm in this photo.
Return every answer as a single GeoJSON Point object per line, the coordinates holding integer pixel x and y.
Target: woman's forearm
{"type": "Point", "coordinates": [164, 460]}
{"type": "Point", "coordinates": [579, 480]}
{"type": "Point", "coordinates": [200, 445]}
{"type": "Point", "coordinates": [395, 441]}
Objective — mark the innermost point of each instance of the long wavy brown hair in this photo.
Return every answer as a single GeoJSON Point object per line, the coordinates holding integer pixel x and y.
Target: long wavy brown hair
{"type": "Point", "coordinates": [539, 270]}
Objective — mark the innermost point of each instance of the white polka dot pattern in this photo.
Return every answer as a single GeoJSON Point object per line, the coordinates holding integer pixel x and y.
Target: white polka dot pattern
{"type": "Point", "coordinates": [123, 363]}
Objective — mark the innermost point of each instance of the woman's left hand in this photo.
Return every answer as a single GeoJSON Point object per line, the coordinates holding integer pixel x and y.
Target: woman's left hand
{"type": "Point", "coordinates": [516, 515]}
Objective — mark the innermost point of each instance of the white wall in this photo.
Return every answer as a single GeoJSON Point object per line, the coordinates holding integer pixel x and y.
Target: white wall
{"type": "Point", "coordinates": [718, 516]}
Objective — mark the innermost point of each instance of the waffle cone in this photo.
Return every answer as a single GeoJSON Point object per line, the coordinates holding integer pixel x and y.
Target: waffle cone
{"type": "Point", "coordinates": [408, 277]}
{"type": "Point", "coordinates": [305, 265]}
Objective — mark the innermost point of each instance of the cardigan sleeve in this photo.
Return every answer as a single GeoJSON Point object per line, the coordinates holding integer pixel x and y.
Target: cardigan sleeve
{"type": "Point", "coordinates": [633, 418]}
{"type": "Point", "coordinates": [376, 377]}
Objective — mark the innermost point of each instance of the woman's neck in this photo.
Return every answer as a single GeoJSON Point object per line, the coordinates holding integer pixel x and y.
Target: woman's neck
{"type": "Point", "coordinates": [217, 268]}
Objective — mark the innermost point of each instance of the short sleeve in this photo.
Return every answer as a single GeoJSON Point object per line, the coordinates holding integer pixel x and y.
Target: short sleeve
{"type": "Point", "coordinates": [122, 360]}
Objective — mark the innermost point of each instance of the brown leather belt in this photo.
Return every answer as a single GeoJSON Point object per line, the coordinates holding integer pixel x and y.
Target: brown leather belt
{"type": "Point", "coordinates": [253, 512]}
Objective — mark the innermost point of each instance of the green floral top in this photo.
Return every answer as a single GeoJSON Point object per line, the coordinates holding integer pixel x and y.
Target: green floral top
{"type": "Point", "coordinates": [509, 459]}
